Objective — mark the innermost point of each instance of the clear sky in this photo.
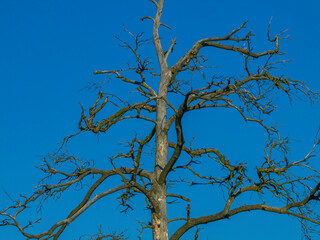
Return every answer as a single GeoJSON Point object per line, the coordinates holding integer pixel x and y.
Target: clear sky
{"type": "Point", "coordinates": [49, 50]}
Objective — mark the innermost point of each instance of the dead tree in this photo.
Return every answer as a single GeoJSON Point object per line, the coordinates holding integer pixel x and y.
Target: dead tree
{"type": "Point", "coordinates": [250, 94]}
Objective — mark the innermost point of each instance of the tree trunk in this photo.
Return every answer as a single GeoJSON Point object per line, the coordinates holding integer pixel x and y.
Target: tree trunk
{"type": "Point", "coordinates": [159, 219]}
{"type": "Point", "coordinates": [158, 189]}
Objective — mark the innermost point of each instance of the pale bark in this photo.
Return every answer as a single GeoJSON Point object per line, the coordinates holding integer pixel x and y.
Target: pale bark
{"type": "Point", "coordinates": [159, 189]}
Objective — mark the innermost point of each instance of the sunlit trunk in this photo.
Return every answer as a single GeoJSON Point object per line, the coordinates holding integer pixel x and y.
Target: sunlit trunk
{"type": "Point", "coordinates": [159, 190]}
{"type": "Point", "coordinates": [160, 220]}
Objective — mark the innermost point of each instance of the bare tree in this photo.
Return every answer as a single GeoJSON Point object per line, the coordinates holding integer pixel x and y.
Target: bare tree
{"type": "Point", "coordinates": [163, 107]}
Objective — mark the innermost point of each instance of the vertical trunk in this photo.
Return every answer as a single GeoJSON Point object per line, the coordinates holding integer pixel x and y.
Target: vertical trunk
{"type": "Point", "coordinates": [159, 190]}
{"type": "Point", "coordinates": [159, 219]}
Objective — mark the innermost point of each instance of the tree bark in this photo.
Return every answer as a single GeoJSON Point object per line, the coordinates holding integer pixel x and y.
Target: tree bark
{"type": "Point", "coordinates": [159, 189]}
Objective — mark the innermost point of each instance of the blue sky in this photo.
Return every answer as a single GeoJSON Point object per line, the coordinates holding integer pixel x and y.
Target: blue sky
{"type": "Point", "coordinates": [49, 50]}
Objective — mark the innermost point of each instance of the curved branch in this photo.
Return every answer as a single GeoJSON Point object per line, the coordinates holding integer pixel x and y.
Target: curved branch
{"type": "Point", "coordinates": [226, 213]}
{"type": "Point", "coordinates": [83, 202]}
{"type": "Point", "coordinates": [193, 52]}
{"type": "Point", "coordinates": [179, 145]}
{"type": "Point", "coordinates": [127, 80]}
{"type": "Point", "coordinates": [49, 233]}
{"type": "Point", "coordinates": [105, 124]}
{"type": "Point", "coordinates": [155, 3]}
{"type": "Point", "coordinates": [178, 196]}
{"type": "Point", "coordinates": [242, 50]}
